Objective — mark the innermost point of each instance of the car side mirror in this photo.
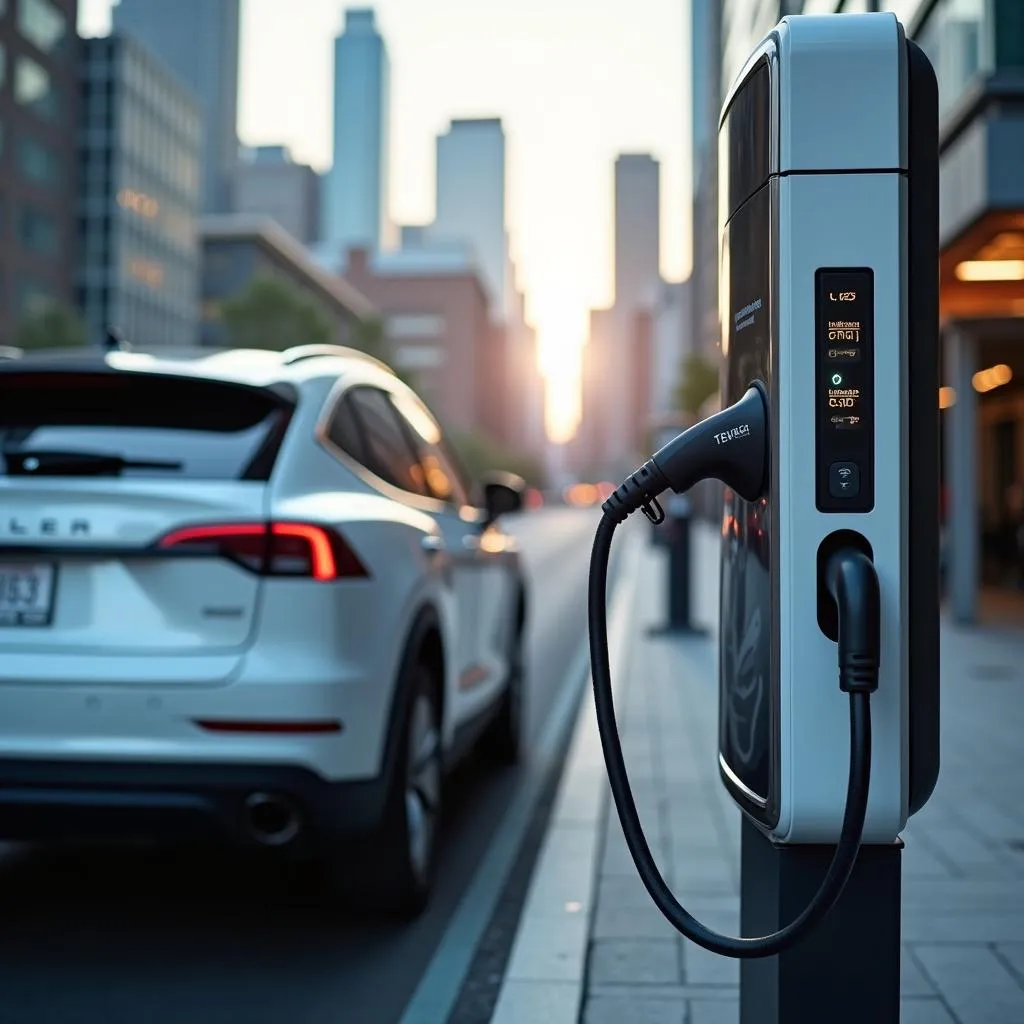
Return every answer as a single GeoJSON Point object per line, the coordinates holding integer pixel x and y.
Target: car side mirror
{"type": "Point", "coordinates": [504, 494]}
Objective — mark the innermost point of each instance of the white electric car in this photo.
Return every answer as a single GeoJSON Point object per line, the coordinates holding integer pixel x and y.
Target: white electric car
{"type": "Point", "coordinates": [247, 595]}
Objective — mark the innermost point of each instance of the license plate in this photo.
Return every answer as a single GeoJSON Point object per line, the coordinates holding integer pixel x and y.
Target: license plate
{"type": "Point", "coordinates": [26, 593]}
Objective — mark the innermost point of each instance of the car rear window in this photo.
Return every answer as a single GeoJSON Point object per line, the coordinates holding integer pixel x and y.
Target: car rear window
{"type": "Point", "coordinates": [127, 424]}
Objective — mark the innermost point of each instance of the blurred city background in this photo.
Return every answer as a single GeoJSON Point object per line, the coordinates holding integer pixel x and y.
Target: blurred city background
{"type": "Point", "coordinates": [514, 205]}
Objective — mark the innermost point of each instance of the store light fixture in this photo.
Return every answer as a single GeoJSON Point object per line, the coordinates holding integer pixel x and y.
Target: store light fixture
{"type": "Point", "coordinates": [992, 378]}
{"type": "Point", "coordinates": [990, 270]}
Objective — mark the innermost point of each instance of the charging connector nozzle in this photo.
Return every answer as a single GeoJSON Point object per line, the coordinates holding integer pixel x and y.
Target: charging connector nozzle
{"type": "Point", "coordinates": [731, 446]}
{"type": "Point", "coordinates": [852, 582]}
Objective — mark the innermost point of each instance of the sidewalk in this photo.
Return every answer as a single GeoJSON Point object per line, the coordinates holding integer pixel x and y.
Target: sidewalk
{"type": "Point", "coordinates": [963, 924]}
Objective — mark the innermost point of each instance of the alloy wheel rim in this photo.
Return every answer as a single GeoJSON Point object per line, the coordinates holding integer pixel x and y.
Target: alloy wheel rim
{"type": "Point", "coordinates": [423, 784]}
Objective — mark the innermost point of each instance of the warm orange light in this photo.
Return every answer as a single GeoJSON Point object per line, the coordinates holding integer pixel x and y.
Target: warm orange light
{"type": "Point", "coordinates": [947, 397]}
{"type": "Point", "coordinates": [146, 271]}
{"type": "Point", "coordinates": [992, 378]}
{"type": "Point", "coordinates": [138, 202]}
{"type": "Point", "coordinates": [990, 270]}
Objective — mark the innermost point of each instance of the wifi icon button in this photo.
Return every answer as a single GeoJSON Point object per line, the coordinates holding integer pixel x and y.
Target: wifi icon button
{"type": "Point", "coordinates": [844, 480]}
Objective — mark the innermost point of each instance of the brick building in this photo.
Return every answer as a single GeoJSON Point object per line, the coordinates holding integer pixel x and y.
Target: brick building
{"type": "Point", "coordinates": [438, 323]}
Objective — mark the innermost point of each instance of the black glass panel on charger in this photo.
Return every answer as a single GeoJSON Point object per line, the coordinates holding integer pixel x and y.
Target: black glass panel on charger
{"type": "Point", "coordinates": [746, 598]}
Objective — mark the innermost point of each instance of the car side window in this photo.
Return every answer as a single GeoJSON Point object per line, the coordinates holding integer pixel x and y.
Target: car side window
{"type": "Point", "coordinates": [443, 477]}
{"type": "Point", "coordinates": [344, 431]}
{"type": "Point", "coordinates": [389, 453]}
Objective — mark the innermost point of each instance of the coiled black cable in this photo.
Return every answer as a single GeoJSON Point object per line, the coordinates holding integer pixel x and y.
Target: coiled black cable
{"type": "Point", "coordinates": [856, 793]}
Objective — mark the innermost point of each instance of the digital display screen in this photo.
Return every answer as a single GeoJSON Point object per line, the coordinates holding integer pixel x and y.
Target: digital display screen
{"type": "Point", "coordinates": [844, 307]}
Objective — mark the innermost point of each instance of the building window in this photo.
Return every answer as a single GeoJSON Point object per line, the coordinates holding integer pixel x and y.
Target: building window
{"type": "Point", "coordinates": [413, 325]}
{"type": "Point", "coordinates": [33, 298]}
{"type": "Point", "coordinates": [42, 24]}
{"type": "Point", "coordinates": [38, 162]}
{"type": "Point", "coordinates": [138, 202]}
{"type": "Point", "coordinates": [33, 88]}
{"type": "Point", "coordinates": [149, 272]}
{"type": "Point", "coordinates": [37, 232]}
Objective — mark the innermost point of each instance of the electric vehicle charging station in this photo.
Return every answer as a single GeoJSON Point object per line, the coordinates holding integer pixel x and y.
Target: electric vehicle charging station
{"type": "Point", "coordinates": [828, 445]}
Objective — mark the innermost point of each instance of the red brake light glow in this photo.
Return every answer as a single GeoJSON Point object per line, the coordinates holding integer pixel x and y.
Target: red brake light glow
{"type": "Point", "coordinates": [273, 549]}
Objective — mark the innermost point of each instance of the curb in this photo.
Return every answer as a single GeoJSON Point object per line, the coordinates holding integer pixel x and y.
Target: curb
{"type": "Point", "coordinates": [545, 977]}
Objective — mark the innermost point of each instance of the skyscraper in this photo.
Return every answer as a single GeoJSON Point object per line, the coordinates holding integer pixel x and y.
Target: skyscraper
{"type": "Point", "coordinates": [706, 91]}
{"type": "Point", "coordinates": [637, 231]}
{"type": "Point", "coordinates": [356, 197]}
{"type": "Point", "coordinates": [39, 114]}
{"type": "Point", "coordinates": [198, 41]}
{"type": "Point", "coordinates": [471, 200]}
{"type": "Point", "coordinates": [139, 200]}
{"type": "Point", "coordinates": [270, 182]}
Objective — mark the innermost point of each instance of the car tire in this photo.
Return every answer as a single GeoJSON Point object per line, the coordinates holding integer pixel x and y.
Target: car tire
{"type": "Point", "coordinates": [503, 740]}
{"type": "Point", "coordinates": [394, 870]}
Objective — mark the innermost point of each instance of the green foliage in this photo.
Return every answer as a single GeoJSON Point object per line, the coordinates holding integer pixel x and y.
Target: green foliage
{"type": "Point", "coordinates": [369, 336]}
{"type": "Point", "coordinates": [272, 314]}
{"type": "Point", "coordinates": [697, 383]}
{"type": "Point", "coordinates": [55, 326]}
{"type": "Point", "coordinates": [480, 453]}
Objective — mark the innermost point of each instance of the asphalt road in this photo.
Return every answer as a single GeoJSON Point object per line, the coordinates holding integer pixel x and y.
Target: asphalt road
{"type": "Point", "coordinates": [106, 936]}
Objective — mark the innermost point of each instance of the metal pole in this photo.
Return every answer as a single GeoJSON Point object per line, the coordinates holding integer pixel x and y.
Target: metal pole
{"type": "Point", "coordinates": [677, 531]}
{"type": "Point", "coordinates": [848, 971]}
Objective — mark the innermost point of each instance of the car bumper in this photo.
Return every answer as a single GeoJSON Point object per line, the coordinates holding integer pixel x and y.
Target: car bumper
{"type": "Point", "coordinates": [70, 800]}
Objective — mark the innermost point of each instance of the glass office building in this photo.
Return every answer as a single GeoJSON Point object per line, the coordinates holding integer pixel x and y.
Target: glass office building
{"type": "Point", "coordinates": [139, 194]}
{"type": "Point", "coordinates": [38, 111]}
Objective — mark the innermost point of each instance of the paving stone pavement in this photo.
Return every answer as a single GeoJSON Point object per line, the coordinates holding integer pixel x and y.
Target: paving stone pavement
{"type": "Point", "coordinates": [963, 867]}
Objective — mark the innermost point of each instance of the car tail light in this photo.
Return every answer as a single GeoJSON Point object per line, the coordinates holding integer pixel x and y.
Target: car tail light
{"type": "Point", "coordinates": [272, 549]}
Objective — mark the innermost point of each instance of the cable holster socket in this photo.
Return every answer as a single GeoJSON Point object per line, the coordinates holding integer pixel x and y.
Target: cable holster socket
{"type": "Point", "coordinates": [852, 582]}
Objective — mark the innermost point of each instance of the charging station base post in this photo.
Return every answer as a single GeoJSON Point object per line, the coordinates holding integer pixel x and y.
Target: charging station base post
{"type": "Point", "coordinates": [848, 970]}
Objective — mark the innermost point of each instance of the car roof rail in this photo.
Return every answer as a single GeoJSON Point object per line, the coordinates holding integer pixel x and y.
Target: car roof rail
{"type": "Point", "coordinates": [300, 352]}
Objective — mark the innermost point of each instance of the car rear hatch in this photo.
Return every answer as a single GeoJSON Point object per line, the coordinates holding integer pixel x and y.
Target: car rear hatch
{"type": "Point", "coordinates": [115, 490]}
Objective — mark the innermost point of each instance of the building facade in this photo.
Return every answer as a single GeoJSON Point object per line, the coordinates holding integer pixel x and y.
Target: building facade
{"type": "Point", "coordinates": [471, 201]}
{"type": "Point", "coordinates": [438, 326]}
{"type": "Point", "coordinates": [38, 166]}
{"type": "Point", "coordinates": [705, 72]}
{"type": "Point", "coordinates": [198, 41]}
{"type": "Point", "coordinates": [637, 244]}
{"type": "Point", "coordinates": [271, 184]}
{"type": "Point", "coordinates": [140, 141]}
{"type": "Point", "coordinates": [356, 210]}
{"type": "Point", "coordinates": [238, 249]}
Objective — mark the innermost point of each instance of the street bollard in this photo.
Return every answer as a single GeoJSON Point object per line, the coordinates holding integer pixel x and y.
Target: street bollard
{"type": "Point", "coordinates": [679, 567]}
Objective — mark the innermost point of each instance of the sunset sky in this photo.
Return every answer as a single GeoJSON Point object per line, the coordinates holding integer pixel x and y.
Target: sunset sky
{"type": "Point", "coordinates": [575, 81]}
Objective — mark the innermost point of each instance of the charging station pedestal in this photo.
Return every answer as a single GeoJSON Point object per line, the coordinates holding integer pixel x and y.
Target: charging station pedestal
{"type": "Point", "coordinates": [828, 222]}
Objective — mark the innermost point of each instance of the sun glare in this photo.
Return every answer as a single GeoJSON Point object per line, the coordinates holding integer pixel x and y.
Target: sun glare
{"type": "Point", "coordinates": [561, 330]}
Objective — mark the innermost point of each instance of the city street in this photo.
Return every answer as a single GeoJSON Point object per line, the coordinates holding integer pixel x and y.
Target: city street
{"type": "Point", "coordinates": [118, 936]}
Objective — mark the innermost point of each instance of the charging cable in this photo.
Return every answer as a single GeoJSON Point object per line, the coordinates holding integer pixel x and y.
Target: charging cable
{"type": "Point", "coordinates": [732, 446]}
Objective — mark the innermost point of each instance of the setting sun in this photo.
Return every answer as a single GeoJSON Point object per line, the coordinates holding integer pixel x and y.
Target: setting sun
{"type": "Point", "coordinates": [561, 320]}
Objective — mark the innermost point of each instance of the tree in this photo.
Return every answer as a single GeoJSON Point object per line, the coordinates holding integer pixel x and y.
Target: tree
{"type": "Point", "coordinates": [697, 383]}
{"type": "Point", "coordinates": [271, 314]}
{"type": "Point", "coordinates": [53, 326]}
{"type": "Point", "coordinates": [369, 336]}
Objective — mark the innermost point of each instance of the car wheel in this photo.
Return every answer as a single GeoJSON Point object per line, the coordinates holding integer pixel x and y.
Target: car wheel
{"type": "Point", "coordinates": [504, 738]}
{"type": "Point", "coordinates": [394, 871]}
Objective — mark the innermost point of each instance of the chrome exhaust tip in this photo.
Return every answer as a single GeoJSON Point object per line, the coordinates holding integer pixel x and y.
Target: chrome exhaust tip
{"type": "Point", "coordinates": [271, 820]}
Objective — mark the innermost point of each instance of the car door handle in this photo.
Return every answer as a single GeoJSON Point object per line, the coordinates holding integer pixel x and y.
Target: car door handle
{"type": "Point", "coordinates": [432, 544]}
